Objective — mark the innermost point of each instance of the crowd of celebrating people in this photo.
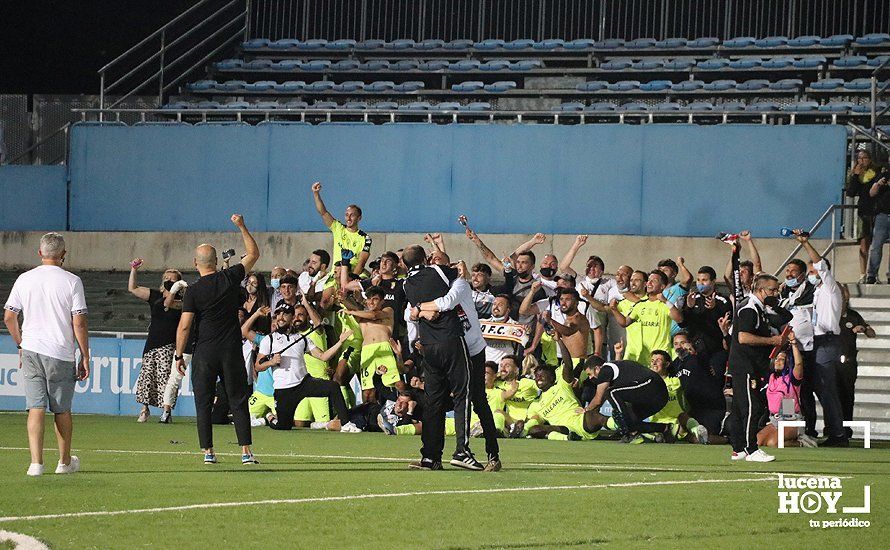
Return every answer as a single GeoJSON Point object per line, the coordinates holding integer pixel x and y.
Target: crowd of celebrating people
{"type": "Point", "coordinates": [414, 342]}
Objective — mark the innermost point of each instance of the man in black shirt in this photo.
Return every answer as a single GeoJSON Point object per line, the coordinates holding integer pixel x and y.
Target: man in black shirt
{"type": "Point", "coordinates": [703, 308]}
{"type": "Point", "coordinates": [702, 382]}
{"type": "Point", "coordinates": [446, 363]}
{"type": "Point", "coordinates": [847, 368]}
{"type": "Point", "coordinates": [880, 193]}
{"type": "Point", "coordinates": [752, 341]}
{"type": "Point", "coordinates": [213, 303]}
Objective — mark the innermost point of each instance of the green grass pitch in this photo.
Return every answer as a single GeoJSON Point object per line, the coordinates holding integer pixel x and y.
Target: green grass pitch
{"type": "Point", "coordinates": [327, 490]}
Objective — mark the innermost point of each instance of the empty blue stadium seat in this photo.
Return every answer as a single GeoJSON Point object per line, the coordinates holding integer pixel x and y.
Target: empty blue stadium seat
{"type": "Point", "coordinates": [526, 65]}
{"type": "Point", "coordinates": [496, 65]}
{"type": "Point", "coordinates": [570, 106]}
{"type": "Point", "coordinates": [837, 40]}
{"type": "Point", "coordinates": [712, 64]}
{"type": "Point", "coordinates": [326, 105]}
{"type": "Point", "coordinates": [809, 62]}
{"type": "Point", "coordinates": [828, 84]}
{"type": "Point", "coordinates": [580, 44]}
{"type": "Point", "coordinates": [730, 106]}
{"type": "Point", "coordinates": [371, 44]}
{"type": "Point", "coordinates": [873, 39]}
{"type": "Point", "coordinates": [602, 106]}
{"type": "Point", "coordinates": [355, 105]}
{"type": "Point", "coordinates": [804, 41]}
{"type": "Point", "coordinates": [228, 64]}
{"type": "Point", "coordinates": [476, 106]}
{"type": "Point", "coordinates": [866, 108]}
{"type": "Point", "coordinates": [771, 42]}
{"type": "Point", "coordinates": [416, 106]}
{"type": "Point", "coordinates": [786, 84]}
{"type": "Point", "coordinates": [342, 44]}
{"type": "Point", "coordinates": [640, 43]}
{"type": "Point", "coordinates": [349, 86]}
{"type": "Point", "coordinates": [858, 84]}
{"type": "Point", "coordinates": [836, 107]}
{"type": "Point", "coordinates": [634, 106]}
{"type": "Point", "coordinates": [179, 105]}
{"type": "Point", "coordinates": [617, 64]}
{"type": "Point", "coordinates": [319, 86]}
{"type": "Point", "coordinates": [699, 106]}
{"type": "Point", "coordinates": [374, 65]}
{"type": "Point", "coordinates": [656, 86]}
{"type": "Point", "coordinates": [753, 84]}
{"type": "Point", "coordinates": [230, 86]}
{"type": "Point", "coordinates": [399, 44]}
{"type": "Point", "coordinates": [296, 105]}
{"type": "Point", "coordinates": [287, 65]}
{"type": "Point", "coordinates": [201, 85]}
{"type": "Point", "coordinates": [255, 44]}
{"type": "Point", "coordinates": [549, 44]}
{"type": "Point", "coordinates": [745, 63]}
{"type": "Point", "coordinates": [385, 105]}
{"type": "Point", "coordinates": [236, 105]}
{"type": "Point", "coordinates": [739, 42]}
{"type": "Point", "coordinates": [284, 44]}
{"type": "Point", "coordinates": [624, 86]}
{"type": "Point", "coordinates": [592, 86]}
{"type": "Point", "coordinates": [410, 86]}
{"type": "Point", "coordinates": [345, 65]}
{"type": "Point", "coordinates": [878, 61]}
{"type": "Point", "coordinates": [465, 65]}
{"type": "Point", "coordinates": [290, 86]}
{"type": "Point", "coordinates": [801, 106]}
{"type": "Point", "coordinates": [405, 65]}
{"type": "Point", "coordinates": [850, 61]}
{"type": "Point", "coordinates": [265, 105]}
{"type": "Point", "coordinates": [380, 86]}
{"type": "Point", "coordinates": [448, 106]}
{"type": "Point", "coordinates": [688, 86]}
{"type": "Point", "coordinates": [500, 86]}
{"type": "Point", "coordinates": [261, 86]}
{"type": "Point", "coordinates": [703, 42]}
{"type": "Point", "coordinates": [489, 44]}
{"type": "Point", "coordinates": [720, 85]}
{"type": "Point", "coordinates": [312, 44]}
{"type": "Point", "coordinates": [208, 105]}
{"type": "Point", "coordinates": [519, 44]}
{"type": "Point", "coordinates": [648, 64]}
{"type": "Point", "coordinates": [609, 44]}
{"type": "Point", "coordinates": [761, 106]}
{"type": "Point", "coordinates": [434, 65]}
{"type": "Point", "coordinates": [672, 43]}
{"type": "Point", "coordinates": [429, 44]}
{"type": "Point", "coordinates": [470, 86]}
{"type": "Point", "coordinates": [316, 65]}
{"type": "Point", "coordinates": [667, 106]}
{"type": "Point", "coordinates": [258, 64]}
{"type": "Point", "coordinates": [679, 64]}
{"type": "Point", "coordinates": [459, 44]}
{"type": "Point", "coordinates": [777, 62]}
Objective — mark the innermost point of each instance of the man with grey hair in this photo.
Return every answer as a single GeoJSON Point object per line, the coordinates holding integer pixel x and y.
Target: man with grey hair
{"type": "Point", "coordinates": [55, 325]}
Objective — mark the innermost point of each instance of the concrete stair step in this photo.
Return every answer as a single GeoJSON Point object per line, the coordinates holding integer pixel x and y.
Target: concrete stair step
{"type": "Point", "coordinates": [872, 384]}
{"type": "Point", "coordinates": [876, 316]}
{"type": "Point", "coordinates": [869, 290]}
{"type": "Point", "coordinates": [874, 356]}
{"type": "Point", "coordinates": [870, 303]}
{"type": "Point", "coordinates": [879, 343]}
{"type": "Point", "coordinates": [875, 370]}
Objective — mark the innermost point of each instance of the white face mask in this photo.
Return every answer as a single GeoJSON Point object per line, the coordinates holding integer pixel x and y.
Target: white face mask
{"type": "Point", "coordinates": [814, 279]}
{"type": "Point", "coordinates": [251, 289]}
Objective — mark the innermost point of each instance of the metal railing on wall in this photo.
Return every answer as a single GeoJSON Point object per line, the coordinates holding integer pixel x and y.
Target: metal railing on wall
{"type": "Point", "coordinates": [566, 19]}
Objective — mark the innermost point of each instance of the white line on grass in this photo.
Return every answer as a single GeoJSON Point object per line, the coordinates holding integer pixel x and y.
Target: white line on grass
{"type": "Point", "coordinates": [22, 542]}
{"type": "Point", "coordinates": [375, 496]}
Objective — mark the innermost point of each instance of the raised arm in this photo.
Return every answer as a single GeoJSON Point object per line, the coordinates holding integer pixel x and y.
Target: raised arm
{"type": "Point", "coordinates": [247, 331]}
{"type": "Point", "coordinates": [876, 187]}
{"type": "Point", "coordinates": [798, 356]}
{"type": "Point", "coordinates": [752, 251]}
{"type": "Point", "coordinates": [138, 291]}
{"type": "Point", "coordinates": [568, 373]}
{"type": "Point", "coordinates": [685, 276]}
{"type": "Point", "coordinates": [487, 254]}
{"type": "Point", "coordinates": [383, 314]}
{"type": "Point", "coordinates": [319, 205]}
{"type": "Point", "coordinates": [539, 238]}
{"type": "Point", "coordinates": [528, 307]}
{"type": "Point", "coordinates": [314, 316]}
{"type": "Point", "coordinates": [436, 241]}
{"type": "Point", "coordinates": [566, 263]}
{"type": "Point", "coordinates": [333, 350]}
{"type": "Point", "coordinates": [619, 317]}
{"type": "Point", "coordinates": [252, 253]}
{"type": "Point", "coordinates": [460, 290]}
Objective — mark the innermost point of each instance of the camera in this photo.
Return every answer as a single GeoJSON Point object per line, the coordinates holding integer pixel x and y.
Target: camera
{"type": "Point", "coordinates": [228, 253]}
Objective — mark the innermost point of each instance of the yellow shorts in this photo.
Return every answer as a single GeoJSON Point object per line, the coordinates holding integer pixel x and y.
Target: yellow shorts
{"type": "Point", "coordinates": [258, 404]}
{"type": "Point", "coordinates": [575, 424]}
{"type": "Point", "coordinates": [373, 356]}
{"type": "Point", "coordinates": [313, 408]}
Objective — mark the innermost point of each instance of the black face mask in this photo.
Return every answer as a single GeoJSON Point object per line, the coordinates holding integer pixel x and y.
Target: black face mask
{"type": "Point", "coordinates": [771, 301]}
{"type": "Point", "coordinates": [168, 285]}
{"type": "Point", "coordinates": [548, 271]}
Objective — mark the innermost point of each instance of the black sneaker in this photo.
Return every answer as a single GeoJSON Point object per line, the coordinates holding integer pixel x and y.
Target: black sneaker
{"type": "Point", "coordinates": [425, 464]}
{"type": "Point", "coordinates": [466, 461]}
{"type": "Point", "coordinates": [835, 442]}
{"type": "Point", "coordinates": [166, 418]}
{"type": "Point", "coordinates": [871, 280]}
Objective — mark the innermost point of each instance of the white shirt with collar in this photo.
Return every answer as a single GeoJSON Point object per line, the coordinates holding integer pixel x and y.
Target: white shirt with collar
{"type": "Point", "coordinates": [461, 295]}
{"type": "Point", "coordinates": [602, 290]}
{"type": "Point", "coordinates": [827, 302]}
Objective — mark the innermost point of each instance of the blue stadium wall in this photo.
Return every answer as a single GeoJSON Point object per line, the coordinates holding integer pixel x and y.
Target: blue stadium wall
{"type": "Point", "coordinates": [657, 179]}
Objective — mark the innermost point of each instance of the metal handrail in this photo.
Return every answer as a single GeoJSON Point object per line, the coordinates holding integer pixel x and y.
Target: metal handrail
{"type": "Point", "coordinates": [876, 93]}
{"type": "Point", "coordinates": [42, 141]}
{"type": "Point", "coordinates": [870, 135]}
{"type": "Point", "coordinates": [204, 59]}
{"type": "Point", "coordinates": [833, 243]}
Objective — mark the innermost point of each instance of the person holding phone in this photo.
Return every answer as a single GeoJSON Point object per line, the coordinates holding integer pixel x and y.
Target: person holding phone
{"type": "Point", "coordinates": [55, 309]}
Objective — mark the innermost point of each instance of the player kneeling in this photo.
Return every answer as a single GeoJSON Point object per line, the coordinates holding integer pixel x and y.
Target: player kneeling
{"type": "Point", "coordinates": [683, 426]}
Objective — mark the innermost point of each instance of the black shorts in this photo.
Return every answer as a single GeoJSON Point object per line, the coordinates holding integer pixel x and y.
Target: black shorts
{"type": "Point", "coordinates": [643, 400]}
{"type": "Point", "coordinates": [866, 227]}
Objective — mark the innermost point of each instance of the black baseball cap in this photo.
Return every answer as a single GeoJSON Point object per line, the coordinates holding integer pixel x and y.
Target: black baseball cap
{"type": "Point", "coordinates": [284, 308]}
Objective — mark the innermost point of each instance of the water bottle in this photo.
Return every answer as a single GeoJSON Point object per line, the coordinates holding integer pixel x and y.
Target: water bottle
{"type": "Point", "coordinates": [786, 232]}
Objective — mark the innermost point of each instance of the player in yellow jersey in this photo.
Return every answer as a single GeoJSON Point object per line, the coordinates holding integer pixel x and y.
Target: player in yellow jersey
{"type": "Point", "coordinates": [352, 246]}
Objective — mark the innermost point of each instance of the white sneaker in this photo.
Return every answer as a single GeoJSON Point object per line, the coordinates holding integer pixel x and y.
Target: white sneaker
{"type": "Point", "coordinates": [350, 428]}
{"type": "Point", "coordinates": [318, 426]}
{"type": "Point", "coordinates": [257, 422]}
{"type": "Point", "coordinates": [72, 467]}
{"type": "Point", "coordinates": [807, 441]}
{"type": "Point", "coordinates": [759, 456]}
{"type": "Point", "coordinates": [35, 470]}
{"type": "Point", "coordinates": [700, 433]}
{"type": "Point", "coordinates": [741, 455]}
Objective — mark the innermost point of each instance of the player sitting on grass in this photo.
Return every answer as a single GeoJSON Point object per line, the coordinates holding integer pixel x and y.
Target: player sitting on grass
{"type": "Point", "coordinates": [557, 414]}
{"type": "Point", "coordinates": [518, 392]}
{"type": "Point", "coordinates": [783, 398]}
{"type": "Point", "coordinates": [682, 425]}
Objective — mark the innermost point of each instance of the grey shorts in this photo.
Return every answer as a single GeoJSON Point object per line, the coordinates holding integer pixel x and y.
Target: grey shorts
{"type": "Point", "coordinates": [49, 382]}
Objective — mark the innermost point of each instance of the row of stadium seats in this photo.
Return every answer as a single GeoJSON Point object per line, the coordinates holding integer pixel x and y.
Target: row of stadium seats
{"type": "Point", "coordinates": [316, 65]}
{"type": "Point", "coordinates": [783, 85]}
{"type": "Point", "coordinates": [840, 40]}
{"type": "Point", "coordinates": [293, 86]}
{"type": "Point", "coordinates": [729, 106]}
{"type": "Point", "coordinates": [743, 63]}
{"type": "Point", "coordinates": [328, 105]}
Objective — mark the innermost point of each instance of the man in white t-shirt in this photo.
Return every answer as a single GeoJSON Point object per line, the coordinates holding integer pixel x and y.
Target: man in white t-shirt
{"type": "Point", "coordinates": [315, 278]}
{"type": "Point", "coordinates": [495, 349]}
{"type": "Point", "coordinates": [55, 325]}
